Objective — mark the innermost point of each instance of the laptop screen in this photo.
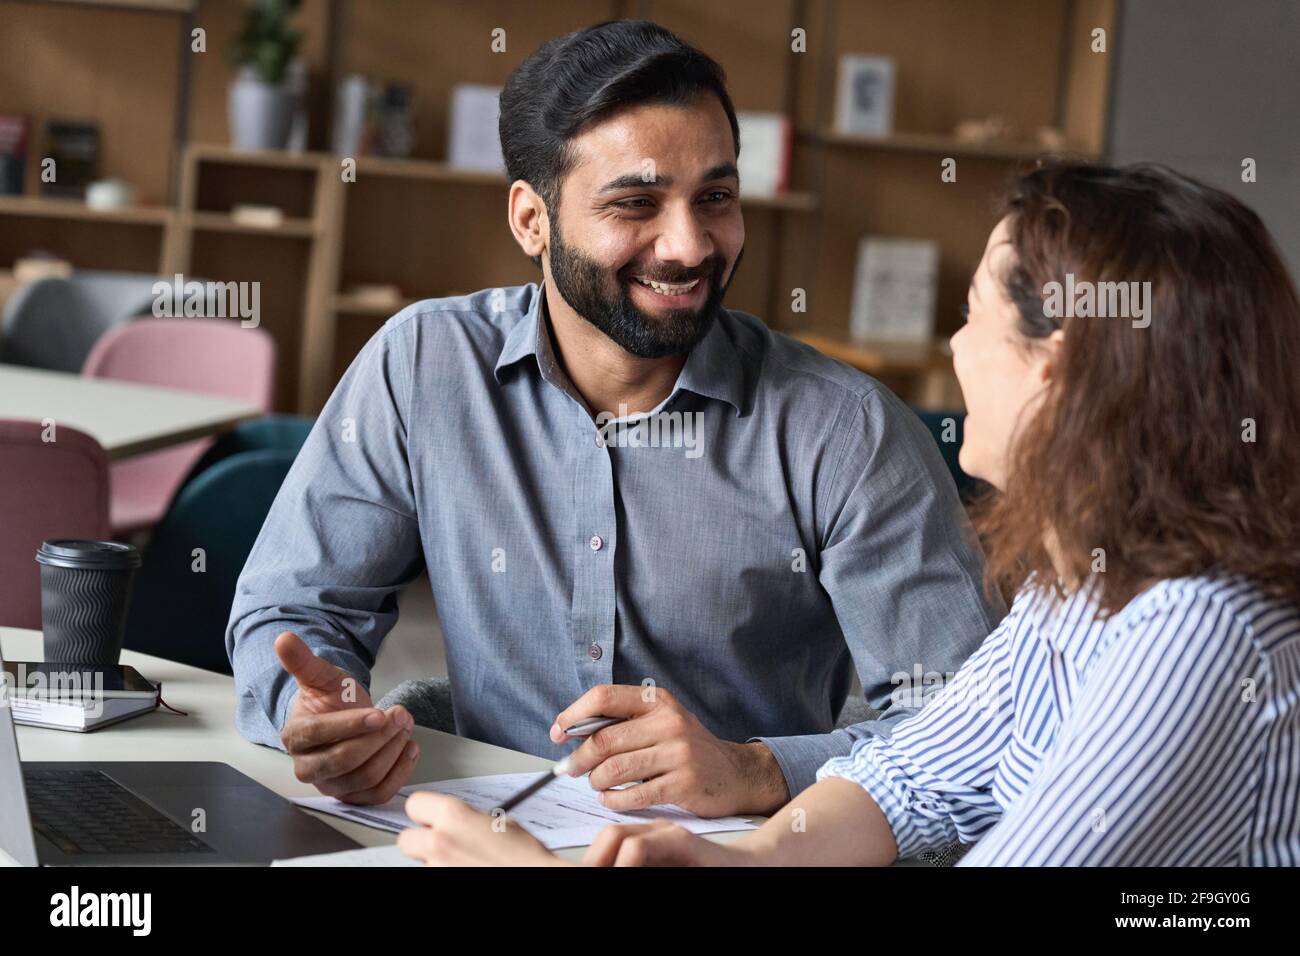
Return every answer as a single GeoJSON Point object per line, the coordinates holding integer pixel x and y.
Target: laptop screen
{"type": "Point", "coordinates": [15, 824]}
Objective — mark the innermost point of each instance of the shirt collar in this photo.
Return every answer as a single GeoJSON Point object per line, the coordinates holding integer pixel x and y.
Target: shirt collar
{"type": "Point", "coordinates": [713, 369]}
{"type": "Point", "coordinates": [521, 341]}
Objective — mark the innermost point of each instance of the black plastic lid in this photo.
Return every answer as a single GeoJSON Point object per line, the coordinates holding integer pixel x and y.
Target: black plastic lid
{"type": "Point", "coordinates": [92, 555]}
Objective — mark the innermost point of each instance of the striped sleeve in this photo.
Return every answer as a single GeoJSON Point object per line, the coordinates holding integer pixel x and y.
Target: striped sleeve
{"type": "Point", "coordinates": [933, 777]}
{"type": "Point", "coordinates": [1157, 762]}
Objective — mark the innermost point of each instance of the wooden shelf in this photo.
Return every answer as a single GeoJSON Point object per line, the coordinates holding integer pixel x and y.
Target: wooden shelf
{"type": "Point", "coordinates": [349, 304]}
{"type": "Point", "coordinates": [782, 202]}
{"type": "Point", "coordinates": [275, 158]}
{"type": "Point", "coordinates": [941, 145]}
{"type": "Point", "coordinates": [224, 222]}
{"type": "Point", "coordinates": [925, 369]}
{"type": "Point", "coordinates": [427, 169]}
{"type": "Point", "coordinates": [876, 358]}
{"type": "Point", "coordinates": [52, 208]}
{"type": "Point", "coordinates": [154, 6]}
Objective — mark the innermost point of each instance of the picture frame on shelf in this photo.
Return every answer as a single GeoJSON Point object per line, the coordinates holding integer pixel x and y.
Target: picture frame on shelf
{"type": "Point", "coordinates": [894, 290]}
{"type": "Point", "coordinates": [764, 162]}
{"type": "Point", "coordinates": [473, 141]}
{"type": "Point", "coordinates": [864, 101]}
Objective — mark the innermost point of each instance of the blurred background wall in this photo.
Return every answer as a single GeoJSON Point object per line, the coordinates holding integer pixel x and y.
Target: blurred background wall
{"type": "Point", "coordinates": [1202, 85]}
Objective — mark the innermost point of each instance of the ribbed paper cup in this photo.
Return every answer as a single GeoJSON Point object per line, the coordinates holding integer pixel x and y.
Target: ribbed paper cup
{"type": "Point", "coordinates": [85, 586]}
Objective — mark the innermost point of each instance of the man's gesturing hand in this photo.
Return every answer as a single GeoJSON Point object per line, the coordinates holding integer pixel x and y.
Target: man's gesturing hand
{"type": "Point", "coordinates": [339, 741]}
{"type": "Point", "coordinates": [678, 761]}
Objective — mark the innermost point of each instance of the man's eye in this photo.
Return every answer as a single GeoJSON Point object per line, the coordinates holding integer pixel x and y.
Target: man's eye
{"type": "Point", "coordinates": [639, 203]}
{"type": "Point", "coordinates": [718, 195]}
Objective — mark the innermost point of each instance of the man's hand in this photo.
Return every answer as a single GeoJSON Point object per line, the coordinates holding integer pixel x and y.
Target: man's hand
{"type": "Point", "coordinates": [455, 834]}
{"type": "Point", "coordinates": [676, 759]}
{"type": "Point", "coordinates": [340, 743]}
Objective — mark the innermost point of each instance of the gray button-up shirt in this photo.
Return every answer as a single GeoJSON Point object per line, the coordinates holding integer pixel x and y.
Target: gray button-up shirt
{"type": "Point", "coordinates": [777, 521]}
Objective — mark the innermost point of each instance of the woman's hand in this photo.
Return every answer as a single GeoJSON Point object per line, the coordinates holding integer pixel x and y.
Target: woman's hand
{"type": "Point", "coordinates": [455, 834]}
{"type": "Point", "coordinates": [660, 844]}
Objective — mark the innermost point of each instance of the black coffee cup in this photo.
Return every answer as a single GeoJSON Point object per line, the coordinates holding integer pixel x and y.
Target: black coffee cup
{"type": "Point", "coordinates": [85, 586]}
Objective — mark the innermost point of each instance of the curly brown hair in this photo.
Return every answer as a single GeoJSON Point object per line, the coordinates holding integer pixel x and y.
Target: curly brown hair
{"type": "Point", "coordinates": [1141, 446]}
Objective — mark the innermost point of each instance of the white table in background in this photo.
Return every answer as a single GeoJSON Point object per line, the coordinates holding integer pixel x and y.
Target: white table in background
{"type": "Point", "coordinates": [125, 418]}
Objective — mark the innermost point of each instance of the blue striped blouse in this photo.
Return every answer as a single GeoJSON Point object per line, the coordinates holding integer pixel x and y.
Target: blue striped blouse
{"type": "Point", "coordinates": [1165, 735]}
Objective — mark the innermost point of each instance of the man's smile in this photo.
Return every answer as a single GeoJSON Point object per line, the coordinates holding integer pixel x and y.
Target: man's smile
{"type": "Point", "coordinates": [675, 295]}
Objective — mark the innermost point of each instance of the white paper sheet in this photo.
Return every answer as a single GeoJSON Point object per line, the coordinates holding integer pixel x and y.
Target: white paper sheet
{"type": "Point", "coordinates": [368, 856]}
{"type": "Point", "coordinates": [565, 813]}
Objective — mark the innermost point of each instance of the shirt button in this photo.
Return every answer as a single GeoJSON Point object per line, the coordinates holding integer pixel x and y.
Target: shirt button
{"type": "Point", "coordinates": [596, 544]}
{"type": "Point", "coordinates": [594, 651]}
{"type": "Point", "coordinates": [600, 442]}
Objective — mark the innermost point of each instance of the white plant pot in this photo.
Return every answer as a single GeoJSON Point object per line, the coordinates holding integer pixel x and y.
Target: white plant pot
{"type": "Point", "coordinates": [261, 114]}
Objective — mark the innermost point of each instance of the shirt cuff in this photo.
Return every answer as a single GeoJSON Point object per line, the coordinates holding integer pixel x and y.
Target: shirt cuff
{"type": "Point", "coordinates": [799, 757]}
{"type": "Point", "coordinates": [913, 833]}
{"type": "Point", "coordinates": [263, 705]}
{"type": "Point", "coordinates": [287, 696]}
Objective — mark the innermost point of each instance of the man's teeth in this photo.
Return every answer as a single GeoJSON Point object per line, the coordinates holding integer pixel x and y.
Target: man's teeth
{"type": "Point", "coordinates": [668, 288]}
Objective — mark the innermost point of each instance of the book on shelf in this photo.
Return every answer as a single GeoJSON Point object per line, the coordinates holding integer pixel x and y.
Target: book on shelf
{"type": "Point", "coordinates": [13, 153]}
{"type": "Point", "coordinates": [73, 149]}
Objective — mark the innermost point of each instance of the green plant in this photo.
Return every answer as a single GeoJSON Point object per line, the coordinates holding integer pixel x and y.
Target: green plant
{"type": "Point", "coordinates": [267, 43]}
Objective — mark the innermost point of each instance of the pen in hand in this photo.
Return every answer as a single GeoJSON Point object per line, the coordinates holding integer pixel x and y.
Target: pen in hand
{"type": "Point", "coordinates": [583, 728]}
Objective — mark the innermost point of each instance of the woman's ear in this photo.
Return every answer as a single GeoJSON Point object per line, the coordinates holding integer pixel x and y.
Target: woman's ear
{"type": "Point", "coordinates": [1052, 346]}
{"type": "Point", "coordinates": [527, 216]}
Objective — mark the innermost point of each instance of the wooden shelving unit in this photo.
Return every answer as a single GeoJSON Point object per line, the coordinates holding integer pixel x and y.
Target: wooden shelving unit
{"type": "Point", "coordinates": [423, 226]}
{"type": "Point", "coordinates": [134, 237]}
{"type": "Point", "coordinates": [290, 259]}
{"type": "Point", "coordinates": [1028, 62]}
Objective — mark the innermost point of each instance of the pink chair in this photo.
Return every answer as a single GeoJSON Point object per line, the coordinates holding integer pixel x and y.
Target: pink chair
{"type": "Point", "coordinates": [217, 356]}
{"type": "Point", "coordinates": [48, 489]}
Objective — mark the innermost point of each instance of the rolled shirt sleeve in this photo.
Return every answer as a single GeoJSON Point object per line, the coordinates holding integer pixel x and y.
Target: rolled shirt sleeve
{"type": "Point", "coordinates": [903, 574]}
{"type": "Point", "coordinates": [340, 542]}
{"type": "Point", "coordinates": [933, 778]}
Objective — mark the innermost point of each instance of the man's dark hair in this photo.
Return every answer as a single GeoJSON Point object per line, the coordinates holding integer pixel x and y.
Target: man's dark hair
{"type": "Point", "coordinates": [584, 77]}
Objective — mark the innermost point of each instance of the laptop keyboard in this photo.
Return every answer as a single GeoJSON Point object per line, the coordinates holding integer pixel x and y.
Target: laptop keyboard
{"type": "Point", "coordinates": [86, 811]}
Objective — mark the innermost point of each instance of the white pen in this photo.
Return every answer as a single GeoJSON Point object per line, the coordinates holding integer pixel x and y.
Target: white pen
{"type": "Point", "coordinates": [583, 728]}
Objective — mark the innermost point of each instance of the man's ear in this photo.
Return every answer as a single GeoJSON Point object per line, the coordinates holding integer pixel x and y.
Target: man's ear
{"type": "Point", "coordinates": [1052, 346]}
{"type": "Point", "coordinates": [528, 221]}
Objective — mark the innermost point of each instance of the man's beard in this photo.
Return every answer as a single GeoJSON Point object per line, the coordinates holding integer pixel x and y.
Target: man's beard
{"type": "Point", "coordinates": [584, 284]}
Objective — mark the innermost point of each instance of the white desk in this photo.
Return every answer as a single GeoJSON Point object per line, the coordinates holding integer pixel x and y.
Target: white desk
{"type": "Point", "coordinates": [208, 733]}
{"type": "Point", "coordinates": [125, 418]}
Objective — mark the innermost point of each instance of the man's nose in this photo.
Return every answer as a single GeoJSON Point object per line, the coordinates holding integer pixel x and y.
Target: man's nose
{"type": "Point", "coordinates": [684, 239]}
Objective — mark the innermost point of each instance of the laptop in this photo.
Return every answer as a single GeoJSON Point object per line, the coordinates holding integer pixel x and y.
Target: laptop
{"type": "Point", "coordinates": [139, 814]}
